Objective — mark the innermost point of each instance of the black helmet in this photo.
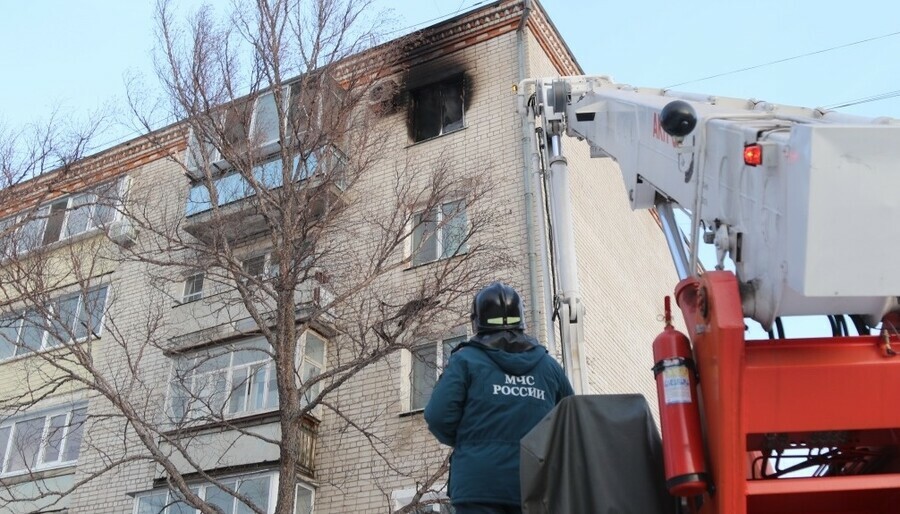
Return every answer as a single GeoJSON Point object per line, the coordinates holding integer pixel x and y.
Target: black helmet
{"type": "Point", "coordinates": [497, 307]}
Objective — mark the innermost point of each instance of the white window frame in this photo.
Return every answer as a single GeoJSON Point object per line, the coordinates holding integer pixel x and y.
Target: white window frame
{"type": "Point", "coordinates": [203, 488]}
{"type": "Point", "coordinates": [188, 294]}
{"type": "Point", "coordinates": [194, 155]}
{"type": "Point", "coordinates": [265, 146]}
{"type": "Point", "coordinates": [420, 236]}
{"type": "Point", "coordinates": [402, 497]}
{"type": "Point", "coordinates": [38, 219]}
{"type": "Point", "coordinates": [12, 425]}
{"type": "Point", "coordinates": [409, 363]}
{"type": "Point", "coordinates": [50, 321]}
{"type": "Point", "coordinates": [227, 378]}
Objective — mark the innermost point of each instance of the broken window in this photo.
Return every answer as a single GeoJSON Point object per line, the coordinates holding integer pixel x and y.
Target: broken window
{"type": "Point", "coordinates": [437, 109]}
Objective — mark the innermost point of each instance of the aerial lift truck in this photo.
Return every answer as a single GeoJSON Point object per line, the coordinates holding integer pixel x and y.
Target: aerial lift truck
{"type": "Point", "coordinates": [802, 208]}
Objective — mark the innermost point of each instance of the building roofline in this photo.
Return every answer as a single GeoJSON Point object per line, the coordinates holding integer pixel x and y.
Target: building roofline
{"type": "Point", "coordinates": [444, 37]}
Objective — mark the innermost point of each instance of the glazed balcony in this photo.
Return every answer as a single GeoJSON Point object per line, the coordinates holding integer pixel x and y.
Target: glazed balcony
{"type": "Point", "coordinates": [228, 205]}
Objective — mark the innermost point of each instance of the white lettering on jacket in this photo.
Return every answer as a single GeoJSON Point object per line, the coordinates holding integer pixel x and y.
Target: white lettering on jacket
{"type": "Point", "coordinates": [521, 386]}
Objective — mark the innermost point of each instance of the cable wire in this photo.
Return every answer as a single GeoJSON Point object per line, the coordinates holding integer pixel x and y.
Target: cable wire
{"type": "Point", "coordinates": [867, 99]}
{"type": "Point", "coordinates": [786, 59]}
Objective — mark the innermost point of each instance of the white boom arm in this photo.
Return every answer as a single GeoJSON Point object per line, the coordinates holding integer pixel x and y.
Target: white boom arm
{"type": "Point", "coordinates": [812, 228]}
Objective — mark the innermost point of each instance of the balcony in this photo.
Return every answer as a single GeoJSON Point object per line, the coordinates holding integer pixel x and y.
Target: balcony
{"type": "Point", "coordinates": [236, 214]}
{"type": "Point", "coordinates": [222, 314]}
{"type": "Point", "coordinates": [241, 442]}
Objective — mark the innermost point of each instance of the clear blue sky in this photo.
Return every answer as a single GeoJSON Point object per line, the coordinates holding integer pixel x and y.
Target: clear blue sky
{"type": "Point", "coordinates": [74, 56]}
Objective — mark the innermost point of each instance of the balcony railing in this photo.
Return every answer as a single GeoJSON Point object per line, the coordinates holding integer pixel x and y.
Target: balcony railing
{"type": "Point", "coordinates": [224, 314]}
{"type": "Point", "coordinates": [238, 216]}
{"type": "Point", "coordinates": [240, 443]}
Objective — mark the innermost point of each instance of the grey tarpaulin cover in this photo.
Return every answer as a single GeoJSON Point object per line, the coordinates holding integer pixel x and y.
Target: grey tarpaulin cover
{"type": "Point", "coordinates": [595, 454]}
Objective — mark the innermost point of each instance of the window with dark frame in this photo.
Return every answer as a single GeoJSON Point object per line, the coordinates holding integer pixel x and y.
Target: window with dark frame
{"type": "Point", "coordinates": [437, 109]}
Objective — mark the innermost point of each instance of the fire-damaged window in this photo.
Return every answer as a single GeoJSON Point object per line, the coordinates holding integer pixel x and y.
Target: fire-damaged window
{"type": "Point", "coordinates": [437, 109]}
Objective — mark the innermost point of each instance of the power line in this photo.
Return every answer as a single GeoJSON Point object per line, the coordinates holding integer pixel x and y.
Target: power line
{"type": "Point", "coordinates": [867, 99]}
{"type": "Point", "coordinates": [438, 18]}
{"type": "Point", "coordinates": [779, 61]}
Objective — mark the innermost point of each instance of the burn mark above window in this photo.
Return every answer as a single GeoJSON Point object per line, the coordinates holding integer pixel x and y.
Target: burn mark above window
{"type": "Point", "coordinates": [437, 109]}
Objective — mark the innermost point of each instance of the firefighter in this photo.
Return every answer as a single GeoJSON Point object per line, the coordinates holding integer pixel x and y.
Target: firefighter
{"type": "Point", "coordinates": [497, 386]}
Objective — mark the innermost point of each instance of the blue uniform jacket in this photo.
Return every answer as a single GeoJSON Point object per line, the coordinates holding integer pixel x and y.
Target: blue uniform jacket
{"type": "Point", "coordinates": [484, 403]}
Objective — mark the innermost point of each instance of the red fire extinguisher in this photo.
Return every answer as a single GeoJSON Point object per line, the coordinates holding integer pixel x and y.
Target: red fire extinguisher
{"type": "Point", "coordinates": [679, 413]}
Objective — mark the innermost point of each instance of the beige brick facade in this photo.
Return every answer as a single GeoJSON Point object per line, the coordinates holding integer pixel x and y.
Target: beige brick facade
{"type": "Point", "coordinates": [623, 266]}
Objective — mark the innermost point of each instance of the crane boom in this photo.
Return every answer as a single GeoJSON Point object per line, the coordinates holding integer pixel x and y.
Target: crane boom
{"type": "Point", "coordinates": [799, 225]}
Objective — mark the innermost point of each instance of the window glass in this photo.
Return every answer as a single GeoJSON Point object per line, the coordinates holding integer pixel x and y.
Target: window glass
{"type": "Point", "coordinates": [255, 350]}
{"type": "Point", "coordinates": [193, 288]}
{"type": "Point", "coordinates": [238, 400]}
{"type": "Point", "coordinates": [451, 106]}
{"type": "Point", "coordinates": [105, 200]}
{"type": "Point", "coordinates": [424, 241]}
{"type": "Point", "coordinates": [154, 503]}
{"type": "Point", "coordinates": [424, 375]}
{"type": "Point", "coordinates": [74, 435]}
{"type": "Point", "coordinates": [198, 200]}
{"type": "Point", "coordinates": [303, 501]}
{"type": "Point", "coordinates": [79, 215]}
{"type": "Point", "coordinates": [453, 232]}
{"type": "Point", "coordinates": [313, 364]}
{"type": "Point", "coordinates": [221, 499]}
{"type": "Point", "coordinates": [305, 168]}
{"type": "Point", "coordinates": [53, 227]}
{"type": "Point", "coordinates": [438, 109]}
{"type": "Point", "coordinates": [7, 237]}
{"type": "Point", "coordinates": [440, 233]}
{"type": "Point", "coordinates": [4, 444]}
{"type": "Point", "coordinates": [32, 336]}
{"type": "Point", "coordinates": [427, 113]}
{"type": "Point", "coordinates": [268, 174]}
{"type": "Point", "coordinates": [426, 368]}
{"type": "Point", "coordinates": [30, 235]}
{"type": "Point", "coordinates": [255, 266]}
{"type": "Point", "coordinates": [199, 152]}
{"type": "Point", "coordinates": [62, 322]}
{"type": "Point", "coordinates": [178, 505]}
{"type": "Point", "coordinates": [25, 444]}
{"type": "Point", "coordinates": [237, 126]}
{"type": "Point", "coordinates": [232, 187]}
{"type": "Point", "coordinates": [91, 313]}
{"type": "Point", "coordinates": [272, 390]}
{"type": "Point", "coordinates": [266, 122]}
{"type": "Point", "coordinates": [9, 336]}
{"type": "Point", "coordinates": [54, 438]}
{"type": "Point", "coordinates": [315, 348]}
{"type": "Point", "coordinates": [239, 377]}
{"type": "Point", "coordinates": [448, 346]}
{"type": "Point", "coordinates": [257, 492]}
{"type": "Point", "coordinates": [32, 331]}
{"type": "Point", "coordinates": [257, 390]}
{"type": "Point", "coordinates": [255, 488]}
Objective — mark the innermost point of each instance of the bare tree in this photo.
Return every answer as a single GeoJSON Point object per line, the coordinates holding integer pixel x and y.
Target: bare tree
{"type": "Point", "coordinates": [300, 220]}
